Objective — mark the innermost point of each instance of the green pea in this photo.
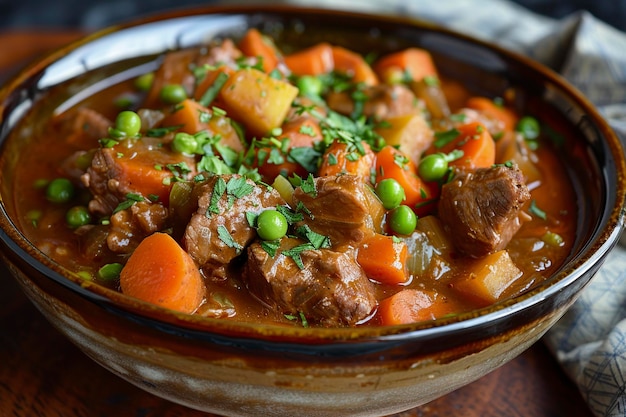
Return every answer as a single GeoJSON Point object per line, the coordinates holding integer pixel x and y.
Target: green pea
{"type": "Point", "coordinates": [144, 82]}
{"type": "Point", "coordinates": [433, 167]}
{"type": "Point", "coordinates": [110, 272]}
{"type": "Point", "coordinates": [271, 225]}
{"type": "Point", "coordinates": [184, 143]}
{"type": "Point", "coordinates": [390, 192]}
{"type": "Point", "coordinates": [529, 127]}
{"type": "Point", "coordinates": [77, 216]}
{"type": "Point", "coordinates": [310, 86]}
{"type": "Point", "coordinates": [128, 122]}
{"type": "Point", "coordinates": [402, 220]}
{"type": "Point", "coordinates": [172, 93]}
{"type": "Point", "coordinates": [60, 190]}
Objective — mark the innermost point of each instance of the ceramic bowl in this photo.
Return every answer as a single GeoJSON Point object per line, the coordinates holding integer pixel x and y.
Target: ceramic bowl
{"type": "Point", "coordinates": [241, 369]}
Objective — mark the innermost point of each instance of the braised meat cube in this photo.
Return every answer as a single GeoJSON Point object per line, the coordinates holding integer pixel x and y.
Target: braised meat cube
{"type": "Point", "coordinates": [218, 231]}
{"type": "Point", "coordinates": [141, 167]}
{"type": "Point", "coordinates": [383, 101]}
{"type": "Point", "coordinates": [342, 207]}
{"type": "Point", "coordinates": [329, 288]}
{"type": "Point", "coordinates": [83, 127]}
{"type": "Point", "coordinates": [482, 209]}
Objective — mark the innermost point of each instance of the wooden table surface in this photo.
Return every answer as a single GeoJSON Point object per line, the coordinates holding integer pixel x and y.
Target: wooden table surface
{"type": "Point", "coordinates": [43, 374]}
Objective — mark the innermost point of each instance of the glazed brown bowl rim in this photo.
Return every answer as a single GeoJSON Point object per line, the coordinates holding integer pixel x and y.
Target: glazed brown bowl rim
{"type": "Point", "coordinates": [605, 236]}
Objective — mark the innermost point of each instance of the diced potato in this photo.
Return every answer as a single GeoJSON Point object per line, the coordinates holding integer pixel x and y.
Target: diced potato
{"type": "Point", "coordinates": [486, 279]}
{"type": "Point", "coordinates": [258, 100]}
{"type": "Point", "coordinates": [409, 132]}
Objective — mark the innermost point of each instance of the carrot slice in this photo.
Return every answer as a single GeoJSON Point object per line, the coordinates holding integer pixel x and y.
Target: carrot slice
{"type": "Point", "coordinates": [193, 117]}
{"type": "Point", "coordinates": [474, 140]}
{"type": "Point", "coordinates": [339, 158]}
{"type": "Point", "coordinates": [506, 116]}
{"type": "Point", "coordinates": [189, 116]}
{"type": "Point", "coordinates": [316, 60]}
{"type": "Point", "coordinates": [159, 271]}
{"type": "Point", "coordinates": [354, 65]}
{"type": "Point", "coordinates": [420, 196]}
{"type": "Point", "coordinates": [414, 62]}
{"type": "Point", "coordinates": [384, 259]}
{"type": "Point", "coordinates": [412, 305]}
{"type": "Point", "coordinates": [255, 45]}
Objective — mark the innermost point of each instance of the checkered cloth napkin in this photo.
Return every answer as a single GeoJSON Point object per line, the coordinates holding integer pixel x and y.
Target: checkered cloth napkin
{"type": "Point", "coordinates": [590, 340]}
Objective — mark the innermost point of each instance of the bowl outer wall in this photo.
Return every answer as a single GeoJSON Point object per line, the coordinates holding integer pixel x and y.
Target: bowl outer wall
{"type": "Point", "coordinates": [553, 295]}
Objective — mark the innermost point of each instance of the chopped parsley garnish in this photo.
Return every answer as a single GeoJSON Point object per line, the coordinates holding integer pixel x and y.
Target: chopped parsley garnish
{"type": "Point", "coordinates": [159, 132]}
{"type": "Point", "coordinates": [317, 240]}
{"type": "Point", "coordinates": [308, 186]}
{"type": "Point", "coordinates": [444, 138]}
{"type": "Point", "coordinates": [295, 253]}
{"type": "Point", "coordinates": [211, 92]}
{"type": "Point", "coordinates": [270, 246]}
{"type": "Point", "coordinates": [305, 156]}
{"type": "Point", "coordinates": [131, 199]}
{"type": "Point", "coordinates": [218, 191]}
{"type": "Point", "coordinates": [227, 238]}
{"type": "Point", "coordinates": [291, 216]}
{"type": "Point", "coordinates": [536, 211]}
{"type": "Point", "coordinates": [236, 187]}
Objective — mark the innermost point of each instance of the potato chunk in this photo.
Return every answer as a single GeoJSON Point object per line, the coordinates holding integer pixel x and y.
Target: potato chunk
{"type": "Point", "coordinates": [258, 100]}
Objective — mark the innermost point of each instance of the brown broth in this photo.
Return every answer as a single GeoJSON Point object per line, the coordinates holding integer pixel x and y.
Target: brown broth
{"type": "Point", "coordinates": [538, 260]}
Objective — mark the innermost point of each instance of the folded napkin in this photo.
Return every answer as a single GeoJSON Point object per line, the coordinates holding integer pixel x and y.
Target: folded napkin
{"type": "Point", "coordinates": [590, 340]}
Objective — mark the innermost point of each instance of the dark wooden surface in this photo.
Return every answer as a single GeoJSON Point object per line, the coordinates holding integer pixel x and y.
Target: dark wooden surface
{"type": "Point", "coordinates": [43, 374]}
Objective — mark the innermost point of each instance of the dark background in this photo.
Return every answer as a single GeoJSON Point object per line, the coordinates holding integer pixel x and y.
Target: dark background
{"type": "Point", "coordinates": [95, 14]}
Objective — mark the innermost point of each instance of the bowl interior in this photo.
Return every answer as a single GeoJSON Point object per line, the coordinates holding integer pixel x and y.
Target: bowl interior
{"type": "Point", "coordinates": [593, 153]}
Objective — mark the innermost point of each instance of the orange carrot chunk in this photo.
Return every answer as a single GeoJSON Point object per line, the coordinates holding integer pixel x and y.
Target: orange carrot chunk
{"type": "Point", "coordinates": [473, 140]}
{"type": "Point", "coordinates": [341, 158]}
{"type": "Point", "coordinates": [412, 305]}
{"type": "Point", "coordinates": [193, 117]}
{"type": "Point", "coordinates": [413, 62]}
{"type": "Point", "coordinates": [392, 163]}
{"type": "Point", "coordinates": [159, 271]}
{"type": "Point", "coordinates": [354, 65]}
{"type": "Point", "coordinates": [255, 45]}
{"type": "Point", "coordinates": [316, 60]}
{"type": "Point", "coordinates": [384, 259]}
{"type": "Point", "coordinates": [492, 109]}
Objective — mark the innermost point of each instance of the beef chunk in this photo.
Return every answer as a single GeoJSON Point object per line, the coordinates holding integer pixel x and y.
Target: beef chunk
{"type": "Point", "coordinates": [218, 231]}
{"type": "Point", "coordinates": [218, 53]}
{"type": "Point", "coordinates": [383, 101]}
{"type": "Point", "coordinates": [130, 226]}
{"type": "Point", "coordinates": [83, 127]}
{"type": "Point", "coordinates": [331, 289]}
{"type": "Point", "coordinates": [342, 208]}
{"type": "Point", "coordinates": [482, 209]}
{"type": "Point", "coordinates": [132, 167]}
